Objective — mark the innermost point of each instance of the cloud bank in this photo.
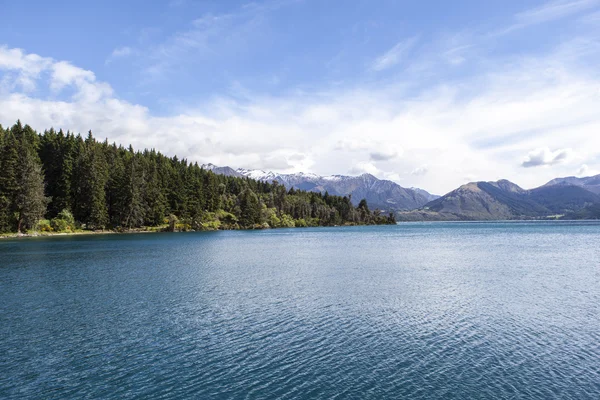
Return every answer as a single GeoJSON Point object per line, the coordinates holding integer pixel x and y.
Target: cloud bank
{"type": "Point", "coordinates": [419, 132]}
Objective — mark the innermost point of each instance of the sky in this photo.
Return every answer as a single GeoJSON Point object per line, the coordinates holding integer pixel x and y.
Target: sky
{"type": "Point", "coordinates": [430, 94]}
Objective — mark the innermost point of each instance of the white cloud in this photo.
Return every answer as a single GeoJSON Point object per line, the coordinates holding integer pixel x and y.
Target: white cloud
{"type": "Point", "coordinates": [554, 10]}
{"type": "Point", "coordinates": [65, 74]}
{"type": "Point", "coordinates": [119, 52]}
{"type": "Point", "coordinates": [585, 171]}
{"type": "Point", "coordinates": [364, 167]}
{"type": "Point", "coordinates": [394, 55]}
{"type": "Point", "coordinates": [546, 157]}
{"type": "Point", "coordinates": [480, 126]}
{"type": "Point", "coordinates": [25, 71]}
{"type": "Point", "coordinates": [422, 170]}
{"type": "Point", "coordinates": [383, 154]}
{"type": "Point", "coordinates": [547, 12]}
{"type": "Point", "coordinates": [211, 37]}
{"type": "Point", "coordinates": [27, 67]}
{"type": "Point", "coordinates": [353, 144]}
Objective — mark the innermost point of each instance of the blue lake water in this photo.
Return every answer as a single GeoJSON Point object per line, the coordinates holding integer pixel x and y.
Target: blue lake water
{"type": "Point", "coordinates": [420, 311]}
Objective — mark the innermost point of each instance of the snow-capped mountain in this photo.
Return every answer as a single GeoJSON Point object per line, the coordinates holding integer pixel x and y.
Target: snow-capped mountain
{"type": "Point", "coordinates": [382, 194]}
{"type": "Point", "coordinates": [227, 171]}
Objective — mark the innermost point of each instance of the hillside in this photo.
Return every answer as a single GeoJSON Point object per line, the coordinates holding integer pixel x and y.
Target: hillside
{"type": "Point", "coordinates": [590, 183]}
{"type": "Point", "coordinates": [503, 200]}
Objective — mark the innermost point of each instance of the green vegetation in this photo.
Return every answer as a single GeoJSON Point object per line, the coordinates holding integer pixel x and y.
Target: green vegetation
{"type": "Point", "coordinates": [61, 182]}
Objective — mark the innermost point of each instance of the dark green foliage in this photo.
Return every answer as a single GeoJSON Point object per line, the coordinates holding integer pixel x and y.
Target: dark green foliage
{"type": "Point", "coordinates": [57, 152]}
{"type": "Point", "coordinates": [97, 185]}
{"type": "Point", "coordinates": [9, 161]}
{"type": "Point", "coordinates": [29, 201]}
{"type": "Point", "coordinates": [363, 205]}
{"type": "Point", "coordinates": [22, 199]}
{"type": "Point", "coordinates": [90, 206]}
{"type": "Point", "coordinates": [250, 208]}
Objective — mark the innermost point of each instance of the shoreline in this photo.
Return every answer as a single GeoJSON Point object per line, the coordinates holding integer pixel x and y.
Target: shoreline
{"type": "Point", "coordinates": [399, 223]}
{"type": "Point", "coordinates": [143, 230]}
{"type": "Point", "coordinates": [77, 233]}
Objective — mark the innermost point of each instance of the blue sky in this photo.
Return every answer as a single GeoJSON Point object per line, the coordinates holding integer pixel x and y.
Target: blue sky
{"type": "Point", "coordinates": [430, 94]}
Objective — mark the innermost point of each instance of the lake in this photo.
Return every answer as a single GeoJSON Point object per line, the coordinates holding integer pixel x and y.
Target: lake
{"type": "Point", "coordinates": [419, 310]}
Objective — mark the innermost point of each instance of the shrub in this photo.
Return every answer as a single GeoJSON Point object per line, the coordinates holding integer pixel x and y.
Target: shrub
{"type": "Point", "coordinates": [66, 215]}
{"type": "Point", "coordinates": [286, 221]}
{"type": "Point", "coordinates": [60, 225]}
{"type": "Point", "coordinates": [64, 221]}
{"type": "Point", "coordinates": [44, 226]}
{"type": "Point", "coordinates": [300, 223]}
{"type": "Point", "coordinates": [226, 217]}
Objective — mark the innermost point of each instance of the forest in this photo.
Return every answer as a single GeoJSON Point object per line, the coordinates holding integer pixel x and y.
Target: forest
{"type": "Point", "coordinates": [62, 182]}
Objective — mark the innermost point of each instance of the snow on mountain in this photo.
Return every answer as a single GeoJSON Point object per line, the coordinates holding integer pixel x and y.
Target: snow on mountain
{"type": "Point", "coordinates": [227, 171]}
{"type": "Point", "coordinates": [382, 194]}
{"type": "Point", "coordinates": [257, 174]}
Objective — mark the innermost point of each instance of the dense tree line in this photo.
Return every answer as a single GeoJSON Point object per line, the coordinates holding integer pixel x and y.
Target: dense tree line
{"type": "Point", "coordinates": [58, 181]}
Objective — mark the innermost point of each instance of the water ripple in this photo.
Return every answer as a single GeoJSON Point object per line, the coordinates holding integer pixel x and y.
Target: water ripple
{"type": "Point", "coordinates": [446, 311]}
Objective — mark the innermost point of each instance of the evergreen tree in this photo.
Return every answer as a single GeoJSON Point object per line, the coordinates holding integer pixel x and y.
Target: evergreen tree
{"type": "Point", "coordinates": [91, 208]}
{"type": "Point", "coordinates": [250, 209]}
{"type": "Point", "coordinates": [134, 211]}
{"type": "Point", "coordinates": [101, 185]}
{"type": "Point", "coordinates": [9, 161]}
{"type": "Point", "coordinates": [61, 197]}
{"type": "Point", "coordinates": [155, 199]}
{"type": "Point", "coordinates": [30, 201]}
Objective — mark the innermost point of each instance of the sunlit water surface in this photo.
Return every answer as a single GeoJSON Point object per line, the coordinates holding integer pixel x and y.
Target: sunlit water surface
{"type": "Point", "coordinates": [420, 311]}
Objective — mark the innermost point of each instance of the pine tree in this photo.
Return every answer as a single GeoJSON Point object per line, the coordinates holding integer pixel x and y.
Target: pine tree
{"type": "Point", "coordinates": [61, 199]}
{"type": "Point", "coordinates": [92, 178]}
{"type": "Point", "coordinates": [98, 217]}
{"type": "Point", "coordinates": [30, 201]}
{"type": "Point", "coordinates": [9, 161]}
{"type": "Point", "coordinates": [250, 209]}
{"type": "Point", "coordinates": [105, 185]}
{"type": "Point", "coordinates": [133, 215]}
{"type": "Point", "coordinates": [155, 199]}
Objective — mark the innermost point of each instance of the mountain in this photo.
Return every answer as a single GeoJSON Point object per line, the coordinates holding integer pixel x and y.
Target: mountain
{"type": "Point", "coordinates": [503, 200]}
{"type": "Point", "coordinates": [383, 194]}
{"type": "Point", "coordinates": [227, 171]}
{"type": "Point", "coordinates": [477, 200]}
{"type": "Point", "coordinates": [564, 199]}
{"type": "Point", "coordinates": [591, 183]}
{"type": "Point", "coordinates": [570, 197]}
{"type": "Point", "coordinates": [589, 212]}
{"type": "Point", "coordinates": [430, 197]}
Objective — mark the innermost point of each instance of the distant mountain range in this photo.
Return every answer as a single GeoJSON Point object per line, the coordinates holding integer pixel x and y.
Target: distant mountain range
{"type": "Point", "coordinates": [502, 200]}
{"type": "Point", "coordinates": [383, 194]}
{"type": "Point", "coordinates": [569, 197]}
{"type": "Point", "coordinates": [591, 183]}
